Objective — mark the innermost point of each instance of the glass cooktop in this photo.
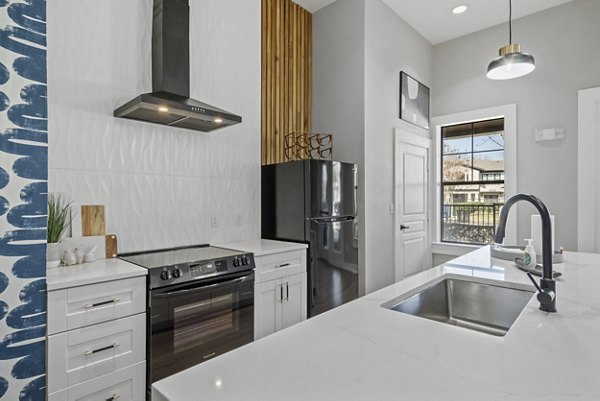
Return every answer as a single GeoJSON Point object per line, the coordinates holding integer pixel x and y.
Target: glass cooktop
{"type": "Point", "coordinates": [168, 257]}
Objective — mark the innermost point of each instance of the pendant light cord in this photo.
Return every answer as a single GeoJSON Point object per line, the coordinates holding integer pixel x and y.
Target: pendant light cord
{"type": "Point", "coordinates": [510, 22]}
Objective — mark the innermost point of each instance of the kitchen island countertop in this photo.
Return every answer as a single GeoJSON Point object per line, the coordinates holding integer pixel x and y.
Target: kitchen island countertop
{"type": "Point", "coordinates": [362, 351]}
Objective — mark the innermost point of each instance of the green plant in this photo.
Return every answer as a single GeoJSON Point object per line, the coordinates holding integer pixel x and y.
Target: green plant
{"type": "Point", "coordinates": [59, 216]}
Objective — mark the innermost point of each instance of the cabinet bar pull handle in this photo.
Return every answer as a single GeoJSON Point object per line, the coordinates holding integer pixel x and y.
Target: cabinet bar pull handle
{"type": "Point", "coordinates": [283, 265]}
{"type": "Point", "coordinates": [287, 291]}
{"type": "Point", "coordinates": [112, 301]}
{"type": "Point", "coordinates": [91, 352]}
{"type": "Point", "coordinates": [114, 397]}
{"type": "Point", "coordinates": [281, 293]}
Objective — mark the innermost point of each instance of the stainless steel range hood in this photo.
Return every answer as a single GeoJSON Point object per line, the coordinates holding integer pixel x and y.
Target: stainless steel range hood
{"type": "Point", "coordinates": [169, 103]}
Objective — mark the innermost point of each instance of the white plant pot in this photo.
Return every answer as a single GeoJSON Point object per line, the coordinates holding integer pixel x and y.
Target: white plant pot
{"type": "Point", "coordinates": [53, 253]}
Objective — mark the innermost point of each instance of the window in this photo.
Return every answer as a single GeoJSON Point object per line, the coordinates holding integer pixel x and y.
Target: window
{"type": "Point", "coordinates": [472, 187]}
{"type": "Point", "coordinates": [459, 198]}
{"type": "Point", "coordinates": [490, 198]}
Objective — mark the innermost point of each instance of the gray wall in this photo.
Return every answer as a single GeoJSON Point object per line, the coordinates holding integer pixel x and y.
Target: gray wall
{"type": "Point", "coordinates": [440, 258]}
{"type": "Point", "coordinates": [360, 47]}
{"type": "Point", "coordinates": [391, 46]}
{"type": "Point", "coordinates": [338, 80]}
{"type": "Point", "coordinates": [339, 90]}
{"type": "Point", "coordinates": [564, 41]}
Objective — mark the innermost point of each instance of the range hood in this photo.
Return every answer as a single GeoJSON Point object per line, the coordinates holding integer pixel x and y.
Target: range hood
{"type": "Point", "coordinates": [169, 103]}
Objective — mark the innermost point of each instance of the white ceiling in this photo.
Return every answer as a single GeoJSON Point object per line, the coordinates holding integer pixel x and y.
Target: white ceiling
{"type": "Point", "coordinates": [313, 5]}
{"type": "Point", "coordinates": [435, 21]}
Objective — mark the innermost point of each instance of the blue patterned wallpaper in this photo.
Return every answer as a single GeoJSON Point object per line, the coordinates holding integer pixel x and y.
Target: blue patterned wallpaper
{"type": "Point", "coordinates": [23, 191]}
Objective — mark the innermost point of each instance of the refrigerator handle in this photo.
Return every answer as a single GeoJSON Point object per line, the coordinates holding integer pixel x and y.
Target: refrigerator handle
{"type": "Point", "coordinates": [328, 220]}
{"type": "Point", "coordinates": [355, 190]}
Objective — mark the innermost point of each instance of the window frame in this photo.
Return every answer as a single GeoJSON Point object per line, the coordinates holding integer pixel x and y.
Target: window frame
{"type": "Point", "coordinates": [509, 113]}
{"type": "Point", "coordinates": [468, 180]}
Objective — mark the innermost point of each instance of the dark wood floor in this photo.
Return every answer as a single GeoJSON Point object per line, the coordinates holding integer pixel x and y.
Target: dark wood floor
{"type": "Point", "coordinates": [334, 287]}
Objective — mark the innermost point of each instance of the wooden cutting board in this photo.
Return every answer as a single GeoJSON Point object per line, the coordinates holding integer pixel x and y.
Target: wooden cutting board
{"type": "Point", "coordinates": [111, 246]}
{"type": "Point", "coordinates": [92, 220]}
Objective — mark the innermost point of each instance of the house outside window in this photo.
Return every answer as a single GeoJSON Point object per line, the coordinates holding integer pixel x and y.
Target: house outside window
{"type": "Point", "coordinates": [472, 181]}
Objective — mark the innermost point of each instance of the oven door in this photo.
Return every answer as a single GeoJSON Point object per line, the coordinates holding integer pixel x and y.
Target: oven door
{"type": "Point", "coordinates": [193, 322]}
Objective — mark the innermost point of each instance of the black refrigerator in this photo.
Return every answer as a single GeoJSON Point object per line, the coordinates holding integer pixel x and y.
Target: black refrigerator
{"type": "Point", "coordinates": [316, 202]}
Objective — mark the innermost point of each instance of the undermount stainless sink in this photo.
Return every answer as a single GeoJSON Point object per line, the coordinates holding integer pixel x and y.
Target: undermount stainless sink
{"type": "Point", "coordinates": [486, 308]}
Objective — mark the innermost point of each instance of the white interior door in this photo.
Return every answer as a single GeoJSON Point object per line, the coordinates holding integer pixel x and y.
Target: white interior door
{"type": "Point", "coordinates": [412, 241]}
{"type": "Point", "coordinates": [588, 174]}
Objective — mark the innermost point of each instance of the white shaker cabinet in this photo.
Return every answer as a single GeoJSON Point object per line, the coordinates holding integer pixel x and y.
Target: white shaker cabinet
{"type": "Point", "coordinates": [97, 334]}
{"type": "Point", "coordinates": [280, 293]}
{"type": "Point", "coordinates": [279, 304]}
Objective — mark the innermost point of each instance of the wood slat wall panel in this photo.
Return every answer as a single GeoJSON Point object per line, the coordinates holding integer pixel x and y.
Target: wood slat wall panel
{"type": "Point", "coordinates": [286, 76]}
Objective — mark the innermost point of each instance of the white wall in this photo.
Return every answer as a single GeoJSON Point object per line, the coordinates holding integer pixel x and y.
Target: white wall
{"type": "Point", "coordinates": [391, 46]}
{"type": "Point", "coordinates": [564, 41]}
{"type": "Point", "coordinates": [160, 185]}
{"type": "Point", "coordinates": [338, 89]}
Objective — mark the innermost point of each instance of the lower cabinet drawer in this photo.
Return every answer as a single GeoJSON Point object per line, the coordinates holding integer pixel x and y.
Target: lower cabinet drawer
{"type": "Point", "coordinates": [79, 355]}
{"type": "Point", "coordinates": [274, 266]}
{"type": "Point", "coordinates": [86, 305]}
{"type": "Point", "coordinates": [127, 384]}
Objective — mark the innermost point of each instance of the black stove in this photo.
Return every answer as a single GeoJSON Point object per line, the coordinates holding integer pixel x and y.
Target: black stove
{"type": "Point", "coordinates": [200, 304]}
{"type": "Point", "coordinates": [180, 265]}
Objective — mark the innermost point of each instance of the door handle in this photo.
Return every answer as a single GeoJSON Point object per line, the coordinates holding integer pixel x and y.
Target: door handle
{"type": "Point", "coordinates": [403, 227]}
{"type": "Point", "coordinates": [201, 288]}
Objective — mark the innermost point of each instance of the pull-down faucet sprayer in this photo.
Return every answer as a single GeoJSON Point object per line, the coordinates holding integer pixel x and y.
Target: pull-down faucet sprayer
{"type": "Point", "coordinates": [547, 287]}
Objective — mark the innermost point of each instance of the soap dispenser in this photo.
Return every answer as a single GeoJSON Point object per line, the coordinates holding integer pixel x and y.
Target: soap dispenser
{"type": "Point", "coordinates": [529, 258]}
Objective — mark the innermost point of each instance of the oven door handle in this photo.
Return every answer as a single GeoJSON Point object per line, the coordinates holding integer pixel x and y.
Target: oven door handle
{"type": "Point", "coordinates": [202, 287]}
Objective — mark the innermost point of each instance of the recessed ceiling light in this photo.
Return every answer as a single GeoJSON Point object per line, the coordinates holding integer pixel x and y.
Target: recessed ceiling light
{"type": "Point", "coordinates": [459, 9]}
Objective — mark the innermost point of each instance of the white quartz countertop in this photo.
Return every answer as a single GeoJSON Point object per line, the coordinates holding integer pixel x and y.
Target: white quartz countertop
{"type": "Point", "coordinates": [91, 273]}
{"type": "Point", "coordinates": [361, 351]}
{"type": "Point", "coordinates": [262, 247]}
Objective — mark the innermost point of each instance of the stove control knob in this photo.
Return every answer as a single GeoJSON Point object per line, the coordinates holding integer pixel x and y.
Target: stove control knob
{"type": "Point", "coordinates": [176, 272]}
{"type": "Point", "coordinates": [165, 275]}
{"type": "Point", "coordinates": [236, 262]}
{"type": "Point", "coordinates": [245, 260]}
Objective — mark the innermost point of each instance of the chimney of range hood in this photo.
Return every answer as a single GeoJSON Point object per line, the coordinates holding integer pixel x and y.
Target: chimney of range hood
{"type": "Point", "coordinates": [171, 47]}
{"type": "Point", "coordinates": [169, 103]}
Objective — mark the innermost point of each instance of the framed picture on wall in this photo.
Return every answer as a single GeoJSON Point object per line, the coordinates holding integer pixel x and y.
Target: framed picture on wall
{"type": "Point", "coordinates": [414, 101]}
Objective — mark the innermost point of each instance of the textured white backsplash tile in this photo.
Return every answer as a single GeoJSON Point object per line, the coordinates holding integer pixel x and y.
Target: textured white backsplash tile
{"type": "Point", "coordinates": [160, 185]}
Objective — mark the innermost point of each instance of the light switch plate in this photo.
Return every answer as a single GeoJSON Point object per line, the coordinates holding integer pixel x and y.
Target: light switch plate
{"type": "Point", "coordinates": [549, 134]}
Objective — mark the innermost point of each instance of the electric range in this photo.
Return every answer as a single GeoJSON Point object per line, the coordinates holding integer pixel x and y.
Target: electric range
{"type": "Point", "coordinates": [200, 304]}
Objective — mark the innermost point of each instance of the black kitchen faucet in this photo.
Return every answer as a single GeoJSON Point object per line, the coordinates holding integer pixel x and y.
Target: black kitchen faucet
{"type": "Point", "coordinates": [547, 287]}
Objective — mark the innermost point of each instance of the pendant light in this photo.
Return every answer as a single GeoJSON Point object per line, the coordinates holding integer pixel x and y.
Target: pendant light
{"type": "Point", "coordinates": [511, 63]}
